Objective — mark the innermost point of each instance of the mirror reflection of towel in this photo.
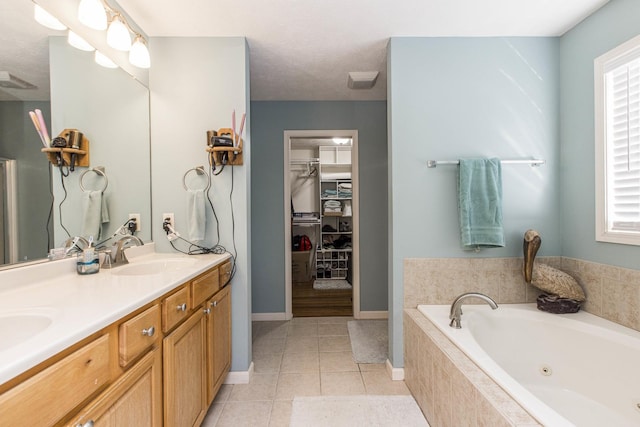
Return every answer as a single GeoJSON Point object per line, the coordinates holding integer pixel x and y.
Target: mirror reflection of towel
{"type": "Point", "coordinates": [94, 204]}
{"type": "Point", "coordinates": [196, 214]}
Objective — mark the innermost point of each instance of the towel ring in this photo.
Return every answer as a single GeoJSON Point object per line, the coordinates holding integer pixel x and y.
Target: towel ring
{"type": "Point", "coordinates": [98, 172]}
{"type": "Point", "coordinates": [200, 171]}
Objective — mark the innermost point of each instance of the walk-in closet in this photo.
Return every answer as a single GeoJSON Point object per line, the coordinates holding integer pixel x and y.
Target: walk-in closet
{"type": "Point", "coordinates": [322, 226]}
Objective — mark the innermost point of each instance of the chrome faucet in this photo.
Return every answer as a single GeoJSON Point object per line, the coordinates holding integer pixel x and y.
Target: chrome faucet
{"type": "Point", "coordinates": [72, 244]}
{"type": "Point", "coordinates": [126, 242]}
{"type": "Point", "coordinates": [456, 308]}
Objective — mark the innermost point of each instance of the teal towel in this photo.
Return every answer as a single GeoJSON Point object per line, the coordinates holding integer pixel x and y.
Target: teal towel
{"type": "Point", "coordinates": [480, 203]}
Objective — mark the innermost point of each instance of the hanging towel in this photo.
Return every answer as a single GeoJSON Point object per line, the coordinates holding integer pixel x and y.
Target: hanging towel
{"type": "Point", "coordinates": [196, 214]}
{"type": "Point", "coordinates": [95, 213]}
{"type": "Point", "coordinates": [480, 203]}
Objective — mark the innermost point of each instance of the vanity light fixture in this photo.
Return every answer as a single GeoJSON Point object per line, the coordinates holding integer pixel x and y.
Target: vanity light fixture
{"type": "Point", "coordinates": [104, 61]}
{"type": "Point", "coordinates": [78, 42]}
{"type": "Point", "coordinates": [118, 36]}
{"type": "Point", "coordinates": [43, 17]}
{"type": "Point", "coordinates": [92, 14]}
{"type": "Point", "coordinates": [139, 54]}
{"type": "Point", "coordinates": [341, 141]}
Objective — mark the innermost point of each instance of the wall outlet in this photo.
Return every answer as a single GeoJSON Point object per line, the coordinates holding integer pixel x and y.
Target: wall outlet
{"type": "Point", "coordinates": [171, 218]}
{"type": "Point", "coordinates": [136, 216]}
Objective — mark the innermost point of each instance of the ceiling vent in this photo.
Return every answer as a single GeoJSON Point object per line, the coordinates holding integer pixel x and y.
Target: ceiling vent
{"type": "Point", "coordinates": [10, 81]}
{"type": "Point", "coordinates": [362, 79]}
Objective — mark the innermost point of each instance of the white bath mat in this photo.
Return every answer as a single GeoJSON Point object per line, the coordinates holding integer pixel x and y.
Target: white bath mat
{"type": "Point", "coordinates": [320, 284]}
{"type": "Point", "coordinates": [356, 411]}
{"type": "Point", "coordinates": [369, 340]}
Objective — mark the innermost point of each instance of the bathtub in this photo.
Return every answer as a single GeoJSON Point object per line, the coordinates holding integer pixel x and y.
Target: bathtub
{"type": "Point", "coordinates": [564, 370]}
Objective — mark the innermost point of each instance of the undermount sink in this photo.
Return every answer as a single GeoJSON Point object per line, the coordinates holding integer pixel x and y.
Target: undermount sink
{"type": "Point", "coordinates": [16, 327]}
{"type": "Point", "coordinates": [153, 267]}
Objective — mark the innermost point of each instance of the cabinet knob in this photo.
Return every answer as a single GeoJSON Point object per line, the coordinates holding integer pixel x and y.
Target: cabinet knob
{"type": "Point", "coordinates": [87, 424]}
{"type": "Point", "coordinates": [149, 331]}
{"type": "Point", "coordinates": [214, 303]}
{"type": "Point", "coordinates": [182, 307]}
{"type": "Point", "coordinates": [207, 311]}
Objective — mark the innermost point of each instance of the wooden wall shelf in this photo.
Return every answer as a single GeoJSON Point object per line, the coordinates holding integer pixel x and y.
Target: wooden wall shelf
{"type": "Point", "coordinates": [82, 154]}
{"type": "Point", "coordinates": [234, 153]}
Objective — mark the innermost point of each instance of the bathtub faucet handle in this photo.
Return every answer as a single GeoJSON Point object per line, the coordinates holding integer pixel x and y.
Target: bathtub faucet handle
{"type": "Point", "coordinates": [455, 314]}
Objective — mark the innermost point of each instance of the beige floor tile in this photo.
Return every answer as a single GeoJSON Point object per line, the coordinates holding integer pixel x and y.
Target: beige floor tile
{"type": "Point", "coordinates": [215, 410]}
{"type": "Point", "coordinates": [341, 383]}
{"type": "Point", "coordinates": [267, 363]}
{"type": "Point", "coordinates": [303, 329]}
{"type": "Point", "coordinates": [378, 382]}
{"type": "Point", "coordinates": [337, 361]}
{"type": "Point", "coordinates": [297, 320]}
{"type": "Point", "coordinates": [223, 393]}
{"type": "Point", "coordinates": [299, 363]}
{"type": "Point", "coordinates": [339, 343]}
{"type": "Point", "coordinates": [296, 344]}
{"type": "Point", "coordinates": [292, 385]}
{"type": "Point", "coordinates": [261, 387]}
{"type": "Point", "coordinates": [367, 367]}
{"type": "Point", "coordinates": [273, 329]}
{"type": "Point", "coordinates": [245, 414]}
{"type": "Point", "coordinates": [269, 345]}
{"type": "Point", "coordinates": [328, 329]}
{"type": "Point", "coordinates": [334, 319]}
{"type": "Point", "coordinates": [280, 413]}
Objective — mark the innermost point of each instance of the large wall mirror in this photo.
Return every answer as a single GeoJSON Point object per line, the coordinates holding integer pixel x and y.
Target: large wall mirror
{"type": "Point", "coordinates": [107, 105]}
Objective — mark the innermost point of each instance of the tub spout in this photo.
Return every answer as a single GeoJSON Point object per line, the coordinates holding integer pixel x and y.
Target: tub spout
{"type": "Point", "coordinates": [456, 308]}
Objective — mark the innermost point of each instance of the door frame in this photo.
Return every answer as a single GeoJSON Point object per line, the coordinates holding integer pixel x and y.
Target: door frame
{"type": "Point", "coordinates": [355, 205]}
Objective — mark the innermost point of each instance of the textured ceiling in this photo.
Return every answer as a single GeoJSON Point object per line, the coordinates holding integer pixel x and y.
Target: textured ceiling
{"type": "Point", "coordinates": [303, 49]}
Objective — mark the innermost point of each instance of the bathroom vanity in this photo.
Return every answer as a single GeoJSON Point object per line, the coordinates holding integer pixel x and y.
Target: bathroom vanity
{"type": "Point", "coordinates": [145, 344]}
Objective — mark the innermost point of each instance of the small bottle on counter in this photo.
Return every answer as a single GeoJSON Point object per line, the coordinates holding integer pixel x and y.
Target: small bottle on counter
{"type": "Point", "coordinates": [88, 261]}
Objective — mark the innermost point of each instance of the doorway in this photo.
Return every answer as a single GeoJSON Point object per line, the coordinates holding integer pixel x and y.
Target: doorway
{"type": "Point", "coordinates": [321, 223]}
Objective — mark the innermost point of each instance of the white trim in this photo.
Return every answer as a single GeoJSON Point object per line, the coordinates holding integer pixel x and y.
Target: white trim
{"type": "Point", "coordinates": [374, 314]}
{"type": "Point", "coordinates": [261, 317]}
{"type": "Point", "coordinates": [239, 377]}
{"type": "Point", "coordinates": [355, 205]}
{"type": "Point", "coordinates": [396, 374]}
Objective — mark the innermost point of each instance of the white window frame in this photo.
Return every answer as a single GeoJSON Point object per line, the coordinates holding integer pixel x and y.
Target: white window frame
{"type": "Point", "coordinates": [624, 53]}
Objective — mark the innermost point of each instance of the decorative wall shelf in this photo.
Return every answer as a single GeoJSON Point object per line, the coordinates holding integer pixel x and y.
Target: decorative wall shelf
{"type": "Point", "coordinates": [234, 154]}
{"type": "Point", "coordinates": [82, 153]}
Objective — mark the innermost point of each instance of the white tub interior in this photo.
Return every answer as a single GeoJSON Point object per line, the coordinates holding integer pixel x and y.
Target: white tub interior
{"type": "Point", "coordinates": [573, 369]}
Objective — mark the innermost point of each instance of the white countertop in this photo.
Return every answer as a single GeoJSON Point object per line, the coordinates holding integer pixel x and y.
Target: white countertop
{"type": "Point", "coordinates": [81, 305]}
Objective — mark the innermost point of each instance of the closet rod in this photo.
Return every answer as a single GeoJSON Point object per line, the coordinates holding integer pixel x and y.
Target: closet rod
{"type": "Point", "coordinates": [532, 162]}
{"type": "Point", "coordinates": [303, 161]}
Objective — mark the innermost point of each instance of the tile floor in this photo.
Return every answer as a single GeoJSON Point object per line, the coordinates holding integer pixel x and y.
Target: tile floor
{"type": "Point", "coordinates": [302, 357]}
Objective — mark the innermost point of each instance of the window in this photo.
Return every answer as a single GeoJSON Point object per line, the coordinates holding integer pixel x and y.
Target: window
{"type": "Point", "coordinates": [617, 120]}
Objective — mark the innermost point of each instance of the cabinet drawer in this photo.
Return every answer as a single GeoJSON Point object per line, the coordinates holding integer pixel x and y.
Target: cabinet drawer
{"type": "Point", "coordinates": [46, 397]}
{"type": "Point", "coordinates": [138, 334]}
{"type": "Point", "coordinates": [204, 286]}
{"type": "Point", "coordinates": [175, 308]}
{"type": "Point", "coordinates": [225, 272]}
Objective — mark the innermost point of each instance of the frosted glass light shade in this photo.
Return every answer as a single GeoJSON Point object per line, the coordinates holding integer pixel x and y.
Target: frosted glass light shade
{"type": "Point", "coordinates": [43, 17]}
{"type": "Point", "coordinates": [104, 61]}
{"type": "Point", "coordinates": [118, 36]}
{"type": "Point", "coordinates": [139, 54]}
{"type": "Point", "coordinates": [78, 42]}
{"type": "Point", "coordinates": [92, 14]}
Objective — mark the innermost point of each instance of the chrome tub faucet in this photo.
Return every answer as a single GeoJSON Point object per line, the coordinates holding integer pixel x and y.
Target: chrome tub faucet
{"type": "Point", "coordinates": [456, 308]}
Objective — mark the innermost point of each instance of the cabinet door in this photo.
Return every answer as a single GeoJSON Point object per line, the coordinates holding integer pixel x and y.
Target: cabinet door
{"type": "Point", "coordinates": [218, 341]}
{"type": "Point", "coordinates": [185, 373]}
{"type": "Point", "coordinates": [135, 399]}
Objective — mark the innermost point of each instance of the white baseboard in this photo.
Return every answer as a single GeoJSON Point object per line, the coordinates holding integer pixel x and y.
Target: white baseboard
{"type": "Point", "coordinates": [396, 374]}
{"type": "Point", "coordinates": [239, 377]}
{"type": "Point", "coordinates": [374, 315]}
{"type": "Point", "coordinates": [261, 317]}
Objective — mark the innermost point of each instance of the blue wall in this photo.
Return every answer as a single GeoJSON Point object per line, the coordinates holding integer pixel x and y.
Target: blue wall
{"type": "Point", "coordinates": [269, 120]}
{"type": "Point", "coordinates": [463, 97]}
{"type": "Point", "coordinates": [610, 26]}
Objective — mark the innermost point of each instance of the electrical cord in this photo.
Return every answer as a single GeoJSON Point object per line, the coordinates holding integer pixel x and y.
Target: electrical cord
{"type": "Point", "coordinates": [62, 176]}
{"type": "Point", "coordinates": [50, 216]}
{"type": "Point", "coordinates": [117, 232]}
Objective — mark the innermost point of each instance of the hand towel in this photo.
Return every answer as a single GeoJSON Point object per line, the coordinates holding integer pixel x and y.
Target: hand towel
{"type": "Point", "coordinates": [196, 214]}
{"type": "Point", "coordinates": [480, 203]}
{"type": "Point", "coordinates": [95, 213]}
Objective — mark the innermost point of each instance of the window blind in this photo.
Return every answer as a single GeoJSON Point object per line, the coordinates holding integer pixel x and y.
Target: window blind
{"type": "Point", "coordinates": [623, 146]}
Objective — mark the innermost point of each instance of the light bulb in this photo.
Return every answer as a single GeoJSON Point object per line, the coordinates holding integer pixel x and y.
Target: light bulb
{"type": "Point", "coordinates": [78, 42]}
{"type": "Point", "coordinates": [104, 61]}
{"type": "Point", "coordinates": [43, 17]}
{"type": "Point", "coordinates": [92, 14]}
{"type": "Point", "coordinates": [118, 35]}
{"type": "Point", "coordinates": [139, 54]}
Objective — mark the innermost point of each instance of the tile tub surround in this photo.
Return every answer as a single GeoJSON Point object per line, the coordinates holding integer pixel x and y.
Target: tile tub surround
{"type": "Point", "coordinates": [449, 388]}
{"type": "Point", "coordinates": [612, 292]}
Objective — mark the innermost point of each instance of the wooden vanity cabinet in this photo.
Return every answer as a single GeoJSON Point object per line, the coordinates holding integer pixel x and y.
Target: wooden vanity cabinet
{"type": "Point", "coordinates": [218, 341]}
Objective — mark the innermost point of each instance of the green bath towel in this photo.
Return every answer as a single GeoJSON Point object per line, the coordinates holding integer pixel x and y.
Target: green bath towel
{"type": "Point", "coordinates": [480, 203]}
